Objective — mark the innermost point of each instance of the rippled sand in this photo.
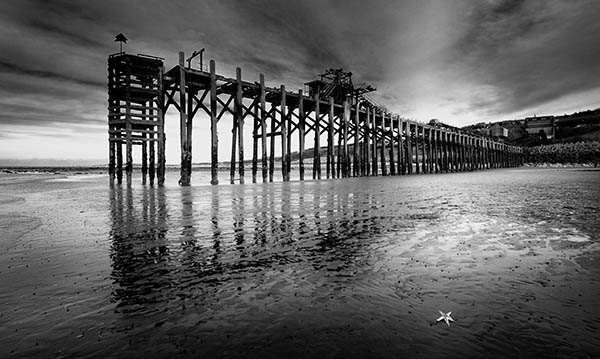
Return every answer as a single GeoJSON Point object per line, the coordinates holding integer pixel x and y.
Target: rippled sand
{"type": "Point", "coordinates": [342, 268]}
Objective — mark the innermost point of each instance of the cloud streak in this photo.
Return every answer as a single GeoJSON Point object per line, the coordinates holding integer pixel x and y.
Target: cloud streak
{"type": "Point", "coordinates": [460, 61]}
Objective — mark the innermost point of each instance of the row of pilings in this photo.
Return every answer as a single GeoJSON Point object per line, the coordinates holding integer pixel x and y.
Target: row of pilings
{"type": "Point", "coordinates": [353, 137]}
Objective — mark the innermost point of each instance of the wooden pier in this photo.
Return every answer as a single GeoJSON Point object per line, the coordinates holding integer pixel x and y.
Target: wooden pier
{"type": "Point", "coordinates": [353, 136]}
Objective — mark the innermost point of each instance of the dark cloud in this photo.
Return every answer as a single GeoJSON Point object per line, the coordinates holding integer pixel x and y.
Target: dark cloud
{"type": "Point", "coordinates": [6, 67]}
{"type": "Point", "coordinates": [530, 52]}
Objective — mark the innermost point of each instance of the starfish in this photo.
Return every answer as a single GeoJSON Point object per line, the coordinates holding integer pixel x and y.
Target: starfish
{"type": "Point", "coordinates": [445, 317]}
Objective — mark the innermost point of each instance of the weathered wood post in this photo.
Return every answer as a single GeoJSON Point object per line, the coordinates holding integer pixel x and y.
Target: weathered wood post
{"type": "Point", "coordinates": [273, 114]}
{"type": "Point", "coordinates": [317, 145]}
{"type": "Point", "coordinates": [119, 145]}
{"type": "Point", "coordinates": [263, 127]}
{"type": "Point", "coordinates": [111, 160]}
{"type": "Point", "coordinates": [301, 134]}
{"type": "Point", "coordinates": [285, 156]}
{"type": "Point", "coordinates": [161, 129]}
{"type": "Point", "coordinates": [240, 121]}
{"type": "Point", "coordinates": [345, 121]}
{"type": "Point", "coordinates": [255, 127]}
{"type": "Point", "coordinates": [356, 154]}
{"type": "Point", "coordinates": [374, 131]}
{"type": "Point", "coordinates": [383, 148]}
{"type": "Point", "coordinates": [152, 158]}
{"type": "Point", "coordinates": [424, 162]}
{"type": "Point", "coordinates": [409, 145]}
{"type": "Point", "coordinates": [128, 137]}
{"type": "Point", "coordinates": [400, 147]}
{"type": "Point", "coordinates": [417, 163]}
{"type": "Point", "coordinates": [144, 158]}
{"type": "Point", "coordinates": [330, 155]}
{"type": "Point", "coordinates": [184, 175]}
{"type": "Point", "coordinates": [392, 147]}
{"type": "Point", "coordinates": [214, 139]}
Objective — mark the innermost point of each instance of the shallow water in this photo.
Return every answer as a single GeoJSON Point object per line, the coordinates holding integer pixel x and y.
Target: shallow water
{"type": "Point", "coordinates": [340, 268]}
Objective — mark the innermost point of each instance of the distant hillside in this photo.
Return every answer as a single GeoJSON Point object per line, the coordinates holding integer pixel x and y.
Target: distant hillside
{"type": "Point", "coordinates": [541, 130]}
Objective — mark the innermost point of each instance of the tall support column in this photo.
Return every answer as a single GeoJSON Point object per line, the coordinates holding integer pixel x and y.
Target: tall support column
{"type": "Point", "coordinates": [272, 142]}
{"type": "Point", "coordinates": [375, 130]}
{"type": "Point", "coordinates": [263, 128]}
{"type": "Point", "coordinates": [383, 147]}
{"type": "Point", "coordinates": [285, 156]}
{"type": "Point", "coordinates": [368, 141]}
{"type": "Point", "coordinates": [392, 148]}
{"type": "Point", "coordinates": [425, 156]}
{"type": "Point", "coordinates": [111, 159]}
{"type": "Point", "coordinates": [184, 176]}
{"type": "Point", "coordinates": [340, 136]}
{"type": "Point", "coordinates": [152, 159]}
{"type": "Point", "coordinates": [301, 133]}
{"type": "Point", "coordinates": [255, 127]}
{"type": "Point", "coordinates": [119, 145]}
{"type": "Point", "coordinates": [345, 119]}
{"type": "Point", "coordinates": [356, 153]}
{"type": "Point", "coordinates": [240, 120]}
{"type": "Point", "coordinates": [330, 156]}
{"type": "Point", "coordinates": [417, 163]}
{"type": "Point", "coordinates": [436, 153]}
{"type": "Point", "coordinates": [161, 130]}
{"type": "Point", "coordinates": [409, 150]}
{"type": "Point", "coordinates": [128, 137]}
{"type": "Point", "coordinates": [232, 163]}
{"type": "Point", "coordinates": [400, 147]}
{"type": "Point", "coordinates": [144, 158]}
{"type": "Point", "coordinates": [317, 146]}
{"type": "Point", "coordinates": [214, 137]}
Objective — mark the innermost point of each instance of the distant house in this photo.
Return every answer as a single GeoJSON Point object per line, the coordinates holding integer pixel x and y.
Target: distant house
{"type": "Point", "coordinates": [498, 131]}
{"type": "Point", "coordinates": [535, 125]}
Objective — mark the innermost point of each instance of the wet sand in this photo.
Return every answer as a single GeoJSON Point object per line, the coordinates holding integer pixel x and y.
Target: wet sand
{"type": "Point", "coordinates": [348, 268]}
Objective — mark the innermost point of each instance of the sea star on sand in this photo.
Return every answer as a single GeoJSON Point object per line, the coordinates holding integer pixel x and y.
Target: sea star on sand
{"type": "Point", "coordinates": [445, 317]}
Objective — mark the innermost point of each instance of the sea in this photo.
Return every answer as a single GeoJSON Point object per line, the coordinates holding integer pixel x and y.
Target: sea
{"type": "Point", "coordinates": [342, 268]}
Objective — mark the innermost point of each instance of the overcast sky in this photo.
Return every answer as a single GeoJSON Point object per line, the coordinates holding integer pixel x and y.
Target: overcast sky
{"type": "Point", "coordinates": [460, 61]}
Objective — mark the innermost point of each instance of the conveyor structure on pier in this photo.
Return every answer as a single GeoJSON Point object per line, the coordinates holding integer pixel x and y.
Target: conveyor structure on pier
{"type": "Point", "coordinates": [354, 135]}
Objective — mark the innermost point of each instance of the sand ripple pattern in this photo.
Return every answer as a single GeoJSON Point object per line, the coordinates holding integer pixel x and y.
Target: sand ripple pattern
{"type": "Point", "coordinates": [345, 268]}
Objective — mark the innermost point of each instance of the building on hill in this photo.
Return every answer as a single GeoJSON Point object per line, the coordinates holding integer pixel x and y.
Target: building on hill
{"type": "Point", "coordinates": [544, 126]}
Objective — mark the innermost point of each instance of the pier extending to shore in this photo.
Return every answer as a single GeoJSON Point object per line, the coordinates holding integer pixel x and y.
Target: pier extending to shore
{"type": "Point", "coordinates": [352, 135]}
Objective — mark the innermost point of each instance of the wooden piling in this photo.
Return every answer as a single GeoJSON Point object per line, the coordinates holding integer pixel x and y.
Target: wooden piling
{"type": "Point", "coordinates": [392, 147]}
{"type": "Point", "coordinates": [330, 155]}
{"type": "Point", "coordinates": [256, 123]}
{"type": "Point", "coordinates": [383, 147]}
{"type": "Point", "coordinates": [161, 130]}
{"type": "Point", "coordinates": [119, 145]}
{"type": "Point", "coordinates": [238, 107]}
{"type": "Point", "coordinates": [184, 177]}
{"type": "Point", "coordinates": [345, 119]}
{"type": "Point", "coordinates": [263, 128]}
{"type": "Point", "coordinates": [152, 159]}
{"type": "Point", "coordinates": [317, 142]}
{"type": "Point", "coordinates": [272, 113]}
{"type": "Point", "coordinates": [111, 161]}
{"type": "Point", "coordinates": [144, 158]}
{"type": "Point", "coordinates": [355, 152]}
{"type": "Point", "coordinates": [214, 137]}
{"type": "Point", "coordinates": [301, 133]}
{"type": "Point", "coordinates": [285, 156]}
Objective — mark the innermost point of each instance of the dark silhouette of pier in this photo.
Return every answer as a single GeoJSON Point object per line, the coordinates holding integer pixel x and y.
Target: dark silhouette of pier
{"type": "Point", "coordinates": [352, 134]}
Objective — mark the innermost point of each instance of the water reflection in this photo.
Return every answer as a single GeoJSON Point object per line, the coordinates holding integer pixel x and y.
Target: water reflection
{"type": "Point", "coordinates": [138, 234]}
{"type": "Point", "coordinates": [226, 263]}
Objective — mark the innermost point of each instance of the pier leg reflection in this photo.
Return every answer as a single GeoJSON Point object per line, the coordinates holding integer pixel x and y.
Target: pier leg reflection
{"type": "Point", "coordinates": [139, 250]}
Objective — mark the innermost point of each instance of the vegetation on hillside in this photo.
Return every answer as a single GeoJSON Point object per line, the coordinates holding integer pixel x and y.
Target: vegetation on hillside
{"type": "Point", "coordinates": [564, 153]}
